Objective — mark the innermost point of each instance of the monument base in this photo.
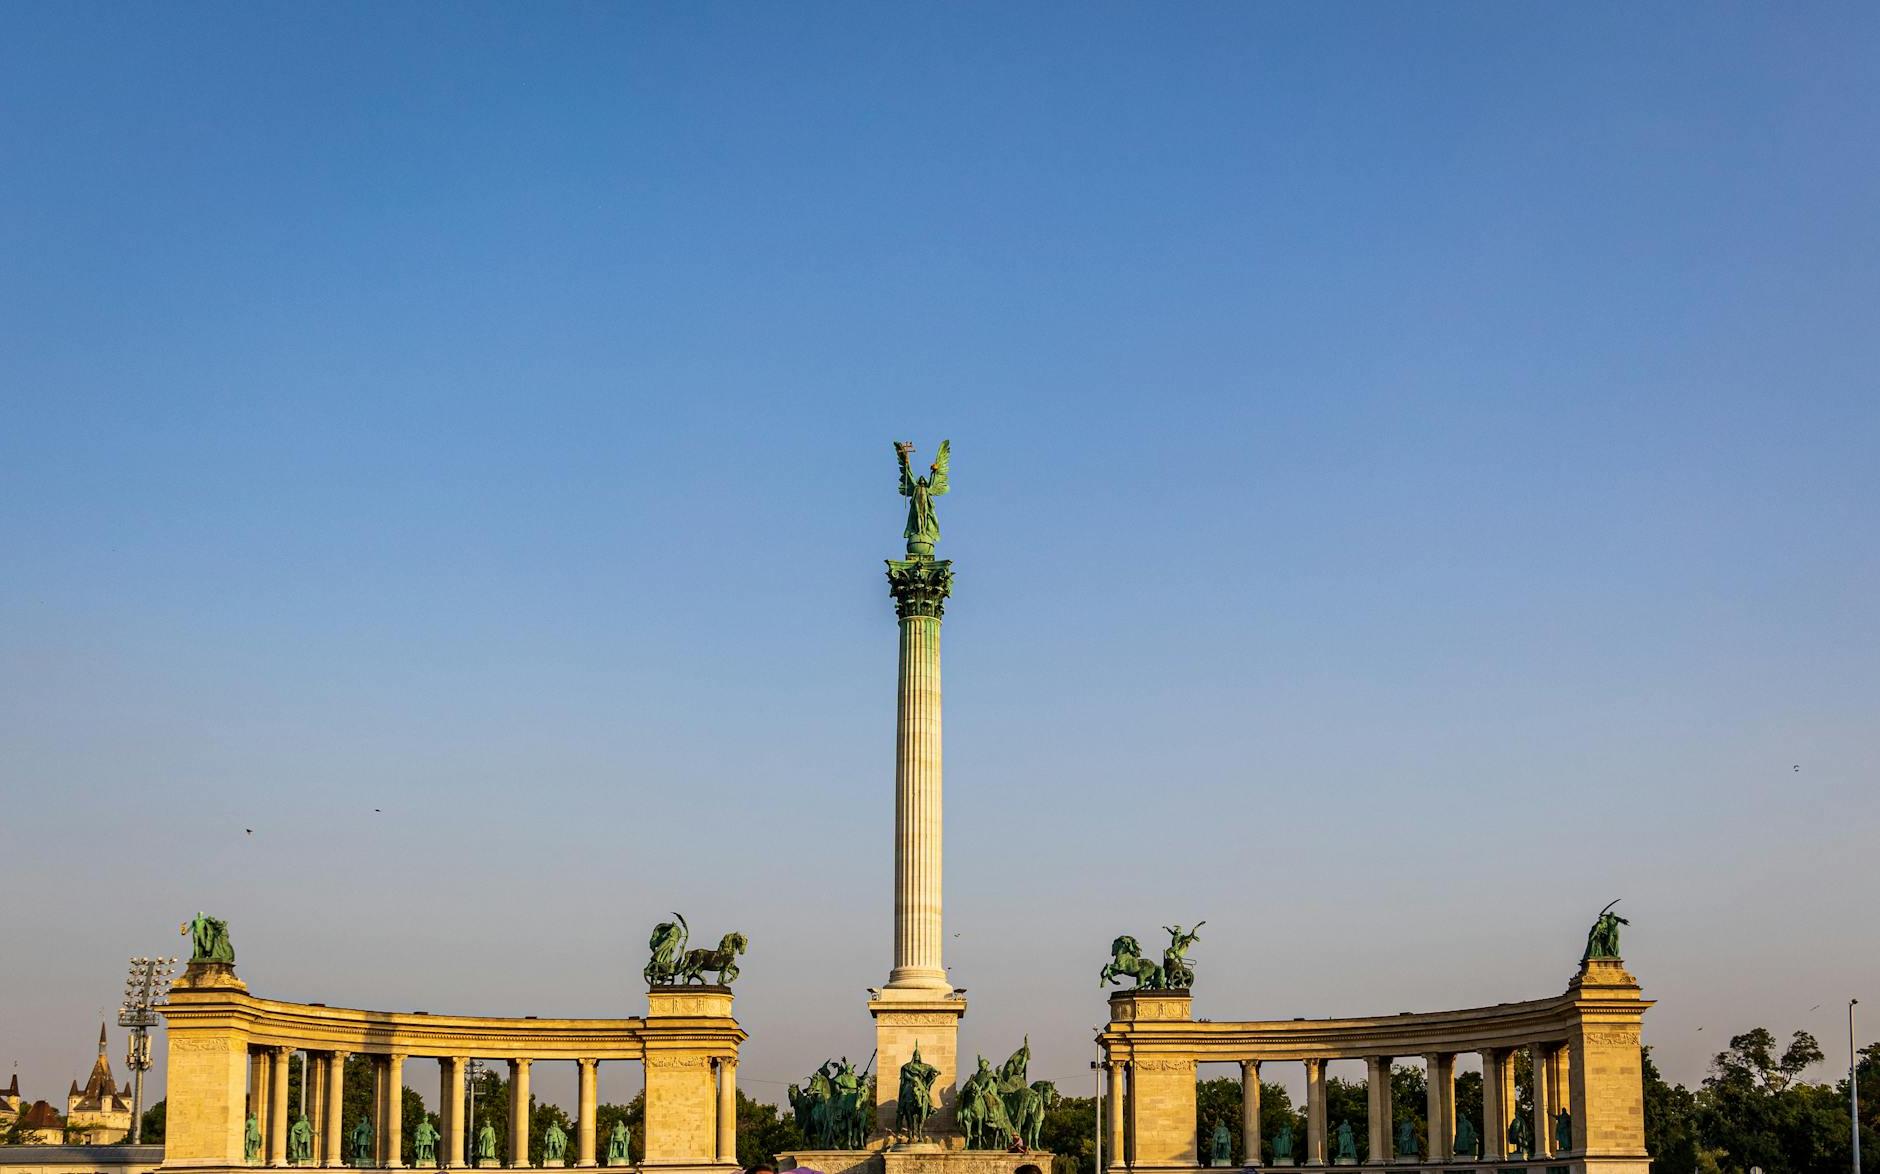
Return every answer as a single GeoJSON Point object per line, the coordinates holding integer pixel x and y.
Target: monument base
{"type": "Point", "coordinates": [905, 1018]}
{"type": "Point", "coordinates": [488, 1164]}
{"type": "Point", "coordinates": [553, 1163]}
{"type": "Point", "coordinates": [929, 1157]}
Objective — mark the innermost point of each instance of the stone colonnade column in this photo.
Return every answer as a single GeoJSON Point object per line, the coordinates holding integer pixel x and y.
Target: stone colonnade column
{"type": "Point", "coordinates": [450, 1071]}
{"type": "Point", "coordinates": [1560, 1082]}
{"type": "Point", "coordinates": [313, 1076]}
{"type": "Point", "coordinates": [1113, 1112]}
{"type": "Point", "coordinates": [1497, 1073]}
{"type": "Point", "coordinates": [587, 1105]}
{"type": "Point", "coordinates": [1315, 1112]}
{"type": "Point", "coordinates": [1250, 1112]}
{"type": "Point", "coordinates": [260, 1064]}
{"type": "Point", "coordinates": [331, 1151]}
{"type": "Point", "coordinates": [1440, 1105]}
{"type": "Point", "coordinates": [1540, 1061]}
{"type": "Point", "coordinates": [277, 1106]}
{"type": "Point", "coordinates": [727, 1110]}
{"type": "Point", "coordinates": [519, 1112]}
{"type": "Point", "coordinates": [920, 588]}
{"type": "Point", "coordinates": [392, 1112]}
{"type": "Point", "coordinates": [1377, 1107]}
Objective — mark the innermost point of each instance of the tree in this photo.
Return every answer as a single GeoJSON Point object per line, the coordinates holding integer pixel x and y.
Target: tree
{"type": "Point", "coordinates": [1070, 1134]}
{"type": "Point", "coordinates": [1754, 1110]}
{"type": "Point", "coordinates": [764, 1132]}
{"type": "Point", "coordinates": [1670, 1122]}
{"type": "Point", "coordinates": [155, 1118]}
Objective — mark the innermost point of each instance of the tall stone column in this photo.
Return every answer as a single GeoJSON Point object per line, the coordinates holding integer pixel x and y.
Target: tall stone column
{"type": "Point", "coordinates": [1541, 1064]}
{"type": "Point", "coordinates": [331, 1151]}
{"type": "Point", "coordinates": [260, 1065]}
{"type": "Point", "coordinates": [277, 1106]}
{"type": "Point", "coordinates": [1250, 1112]}
{"type": "Point", "coordinates": [1119, 1158]}
{"type": "Point", "coordinates": [1377, 1108]}
{"type": "Point", "coordinates": [313, 1076]}
{"type": "Point", "coordinates": [728, 1110]}
{"type": "Point", "coordinates": [1440, 1105]}
{"type": "Point", "coordinates": [392, 1133]}
{"type": "Point", "coordinates": [917, 1007]}
{"type": "Point", "coordinates": [1497, 1075]}
{"type": "Point", "coordinates": [519, 1112]}
{"type": "Point", "coordinates": [587, 1097]}
{"type": "Point", "coordinates": [450, 1072]}
{"type": "Point", "coordinates": [1315, 1112]}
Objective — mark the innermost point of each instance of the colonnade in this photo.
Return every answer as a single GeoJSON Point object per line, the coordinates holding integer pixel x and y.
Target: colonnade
{"type": "Point", "coordinates": [1583, 1047]}
{"type": "Point", "coordinates": [323, 1074]}
{"type": "Point", "coordinates": [230, 1052]}
{"type": "Point", "coordinates": [1551, 1091]}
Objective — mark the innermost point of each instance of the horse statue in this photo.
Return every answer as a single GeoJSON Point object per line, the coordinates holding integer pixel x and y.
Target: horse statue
{"type": "Point", "coordinates": [667, 947]}
{"type": "Point", "coordinates": [1177, 972]}
{"type": "Point", "coordinates": [982, 1116]}
{"type": "Point", "coordinates": [1126, 959]}
{"type": "Point", "coordinates": [914, 1103]}
{"type": "Point", "coordinates": [722, 962]}
{"type": "Point", "coordinates": [1033, 1104]}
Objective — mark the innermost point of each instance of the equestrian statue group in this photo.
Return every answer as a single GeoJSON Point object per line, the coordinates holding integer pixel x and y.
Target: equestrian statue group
{"type": "Point", "coordinates": [1001, 1108]}
{"type": "Point", "coordinates": [835, 1109]}
{"type": "Point", "coordinates": [1174, 973]}
{"type": "Point", "coordinates": [671, 964]}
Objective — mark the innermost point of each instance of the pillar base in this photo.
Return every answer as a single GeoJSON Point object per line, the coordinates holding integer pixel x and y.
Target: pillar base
{"type": "Point", "coordinates": [907, 1018]}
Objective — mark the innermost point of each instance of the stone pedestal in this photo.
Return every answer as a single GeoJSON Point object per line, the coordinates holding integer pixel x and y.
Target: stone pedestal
{"type": "Point", "coordinates": [553, 1163]}
{"type": "Point", "coordinates": [489, 1164]}
{"type": "Point", "coordinates": [902, 1020]}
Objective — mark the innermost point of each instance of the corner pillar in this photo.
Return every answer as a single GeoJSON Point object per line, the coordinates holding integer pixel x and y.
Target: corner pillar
{"type": "Point", "coordinates": [727, 1110]}
{"type": "Point", "coordinates": [587, 1105]}
{"type": "Point", "coordinates": [1113, 1111]}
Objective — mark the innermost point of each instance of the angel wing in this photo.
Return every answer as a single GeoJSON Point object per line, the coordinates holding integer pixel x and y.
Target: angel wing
{"type": "Point", "coordinates": [937, 485]}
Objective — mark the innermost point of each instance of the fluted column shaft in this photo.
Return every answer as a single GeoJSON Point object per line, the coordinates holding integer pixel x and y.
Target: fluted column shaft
{"type": "Point", "coordinates": [450, 1072]}
{"type": "Point", "coordinates": [588, 1100]}
{"type": "Point", "coordinates": [392, 1131]}
{"type": "Point", "coordinates": [1497, 1074]}
{"type": "Point", "coordinates": [917, 821]}
{"type": "Point", "coordinates": [1378, 1109]}
{"type": "Point", "coordinates": [1440, 1105]}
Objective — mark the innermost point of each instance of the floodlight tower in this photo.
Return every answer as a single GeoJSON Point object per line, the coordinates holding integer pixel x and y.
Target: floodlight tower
{"type": "Point", "coordinates": [145, 987]}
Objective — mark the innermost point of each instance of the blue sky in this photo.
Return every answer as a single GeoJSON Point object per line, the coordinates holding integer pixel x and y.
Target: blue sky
{"type": "Point", "coordinates": [1414, 483]}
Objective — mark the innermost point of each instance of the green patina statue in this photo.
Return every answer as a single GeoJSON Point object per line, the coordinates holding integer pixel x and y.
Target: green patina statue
{"type": "Point", "coordinates": [486, 1143]}
{"type": "Point", "coordinates": [671, 964]}
{"type": "Point", "coordinates": [251, 1140]}
{"type": "Point", "coordinates": [1406, 1139]}
{"type": "Point", "coordinates": [1174, 972]}
{"type": "Point", "coordinates": [1467, 1143]}
{"type": "Point", "coordinates": [1520, 1141]}
{"type": "Point", "coordinates": [424, 1143]}
{"type": "Point", "coordinates": [618, 1142]}
{"type": "Point", "coordinates": [915, 1103]}
{"type": "Point", "coordinates": [300, 1141]}
{"type": "Point", "coordinates": [208, 939]}
{"type": "Point", "coordinates": [1563, 1131]}
{"type": "Point", "coordinates": [1221, 1146]}
{"type": "Point", "coordinates": [923, 528]}
{"type": "Point", "coordinates": [836, 1110]}
{"type": "Point", "coordinates": [554, 1142]}
{"type": "Point", "coordinates": [1347, 1143]}
{"type": "Point", "coordinates": [982, 1115]}
{"type": "Point", "coordinates": [362, 1141]}
{"type": "Point", "coordinates": [1282, 1143]}
{"type": "Point", "coordinates": [1602, 941]}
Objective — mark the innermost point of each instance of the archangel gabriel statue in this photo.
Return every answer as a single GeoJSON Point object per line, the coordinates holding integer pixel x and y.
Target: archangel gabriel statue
{"type": "Point", "coordinates": [923, 528]}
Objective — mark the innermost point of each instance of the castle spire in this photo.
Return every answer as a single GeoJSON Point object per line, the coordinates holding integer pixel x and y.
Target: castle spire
{"type": "Point", "coordinates": [103, 1046]}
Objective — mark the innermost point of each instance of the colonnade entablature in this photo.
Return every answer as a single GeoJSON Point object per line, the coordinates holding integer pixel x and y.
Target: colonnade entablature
{"type": "Point", "coordinates": [229, 1052]}
{"type": "Point", "coordinates": [1587, 1090]}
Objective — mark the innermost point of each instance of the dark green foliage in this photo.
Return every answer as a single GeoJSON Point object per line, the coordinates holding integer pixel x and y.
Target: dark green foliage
{"type": "Point", "coordinates": [1070, 1134]}
{"type": "Point", "coordinates": [764, 1132]}
{"type": "Point", "coordinates": [156, 1115]}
